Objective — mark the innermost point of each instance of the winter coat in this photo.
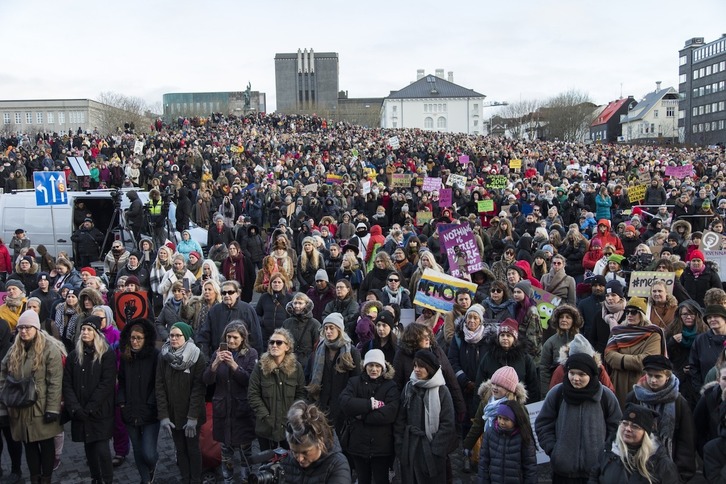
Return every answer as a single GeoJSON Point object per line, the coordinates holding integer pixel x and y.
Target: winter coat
{"type": "Point", "coordinates": [564, 289]}
{"type": "Point", "coordinates": [140, 272]}
{"type": "Point", "coordinates": [330, 468]}
{"type": "Point", "coordinates": [253, 246]}
{"type": "Point", "coordinates": [610, 469]}
{"type": "Point", "coordinates": [697, 287]}
{"type": "Point", "coordinates": [234, 420]}
{"type": "Point", "coordinates": [465, 359]}
{"type": "Point", "coordinates": [26, 424]}
{"type": "Point", "coordinates": [321, 299]}
{"type": "Point", "coordinates": [210, 333]}
{"type": "Point", "coordinates": [243, 271]}
{"type": "Point", "coordinates": [371, 431]}
{"type": "Point", "coordinates": [603, 205]}
{"type": "Point", "coordinates": [347, 307]}
{"type": "Point", "coordinates": [571, 435]}
{"type": "Point", "coordinates": [168, 316]}
{"type": "Point", "coordinates": [88, 388]}
{"type": "Point", "coordinates": [714, 458]}
{"type": "Point", "coordinates": [305, 330]}
{"type": "Point", "coordinates": [477, 423]}
{"type": "Point", "coordinates": [180, 394]}
{"type": "Point", "coordinates": [517, 357]}
{"type": "Point", "coordinates": [705, 415]}
{"type": "Point", "coordinates": [705, 350]}
{"type": "Point", "coordinates": [559, 374]}
{"type": "Point", "coordinates": [272, 390]}
{"type": "Point", "coordinates": [405, 298]}
{"type": "Point", "coordinates": [504, 459]}
{"type": "Point", "coordinates": [270, 309]}
{"type": "Point", "coordinates": [549, 360]}
{"type": "Point", "coordinates": [137, 377]}
{"type": "Point", "coordinates": [574, 255]}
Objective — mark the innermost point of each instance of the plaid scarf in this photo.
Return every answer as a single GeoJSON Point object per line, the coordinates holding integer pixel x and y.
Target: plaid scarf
{"type": "Point", "coordinates": [626, 336]}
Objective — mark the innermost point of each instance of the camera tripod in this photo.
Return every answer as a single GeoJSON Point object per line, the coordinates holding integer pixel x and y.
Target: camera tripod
{"type": "Point", "coordinates": [115, 223]}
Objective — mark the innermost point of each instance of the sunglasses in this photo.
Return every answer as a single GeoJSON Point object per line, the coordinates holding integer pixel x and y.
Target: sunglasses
{"type": "Point", "coordinates": [277, 342]}
{"type": "Point", "coordinates": [496, 290]}
{"type": "Point", "coordinates": [632, 312]}
{"type": "Point", "coordinates": [228, 293]}
{"type": "Point", "coordinates": [393, 280]}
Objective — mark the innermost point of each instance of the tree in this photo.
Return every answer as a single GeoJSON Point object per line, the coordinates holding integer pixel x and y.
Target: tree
{"type": "Point", "coordinates": [120, 111]}
{"type": "Point", "coordinates": [569, 115]}
{"type": "Point", "coordinates": [519, 115]}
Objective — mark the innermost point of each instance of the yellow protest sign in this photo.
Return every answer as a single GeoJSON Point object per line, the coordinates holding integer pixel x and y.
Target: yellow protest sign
{"type": "Point", "coordinates": [515, 164]}
{"type": "Point", "coordinates": [636, 193]}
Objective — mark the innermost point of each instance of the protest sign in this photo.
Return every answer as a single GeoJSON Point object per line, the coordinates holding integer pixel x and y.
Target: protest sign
{"type": "Point", "coordinates": [497, 181]}
{"type": "Point", "coordinates": [129, 306]}
{"type": "Point", "coordinates": [644, 175]}
{"type": "Point", "coordinates": [431, 184]}
{"type": "Point", "coordinates": [485, 205]}
{"type": "Point", "coordinates": [437, 291]}
{"type": "Point", "coordinates": [515, 164]}
{"type": "Point", "coordinates": [464, 159]}
{"type": "Point", "coordinates": [679, 171]}
{"type": "Point", "coordinates": [366, 188]}
{"type": "Point", "coordinates": [459, 244]}
{"type": "Point", "coordinates": [641, 281]}
{"type": "Point", "coordinates": [423, 217]}
{"type": "Point", "coordinates": [401, 180]}
{"type": "Point", "coordinates": [394, 143]}
{"type": "Point", "coordinates": [636, 193]}
{"type": "Point", "coordinates": [334, 179]}
{"type": "Point", "coordinates": [718, 257]}
{"type": "Point", "coordinates": [456, 180]}
{"type": "Point", "coordinates": [546, 303]}
{"type": "Point", "coordinates": [138, 147]}
{"type": "Point", "coordinates": [312, 187]}
{"type": "Point", "coordinates": [445, 196]}
{"type": "Point", "coordinates": [534, 409]}
{"type": "Point", "coordinates": [712, 241]}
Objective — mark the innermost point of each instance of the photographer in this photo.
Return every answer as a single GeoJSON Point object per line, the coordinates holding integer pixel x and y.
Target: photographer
{"type": "Point", "coordinates": [315, 454]}
{"type": "Point", "coordinates": [135, 214]}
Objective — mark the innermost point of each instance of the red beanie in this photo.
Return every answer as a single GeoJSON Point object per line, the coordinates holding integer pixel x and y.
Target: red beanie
{"type": "Point", "coordinates": [90, 270]}
{"type": "Point", "coordinates": [696, 254]}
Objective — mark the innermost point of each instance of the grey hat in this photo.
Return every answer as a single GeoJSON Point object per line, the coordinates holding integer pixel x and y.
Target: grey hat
{"type": "Point", "coordinates": [16, 283]}
{"type": "Point", "coordinates": [321, 275]}
{"type": "Point", "coordinates": [525, 286]}
{"type": "Point", "coordinates": [282, 221]}
{"type": "Point", "coordinates": [478, 309]}
{"type": "Point", "coordinates": [580, 344]}
{"type": "Point", "coordinates": [336, 319]}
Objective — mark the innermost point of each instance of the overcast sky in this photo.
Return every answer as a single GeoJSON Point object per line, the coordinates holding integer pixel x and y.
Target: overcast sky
{"type": "Point", "coordinates": [508, 50]}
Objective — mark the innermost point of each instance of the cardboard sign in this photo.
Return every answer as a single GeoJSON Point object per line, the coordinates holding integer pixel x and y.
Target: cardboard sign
{"type": "Point", "coordinates": [644, 176]}
{"type": "Point", "coordinates": [458, 180]}
{"type": "Point", "coordinates": [401, 180]}
{"type": "Point", "coordinates": [679, 171]}
{"type": "Point", "coordinates": [310, 188]}
{"type": "Point", "coordinates": [641, 282]}
{"type": "Point", "coordinates": [712, 241]}
{"type": "Point", "coordinates": [497, 181]}
{"type": "Point", "coordinates": [636, 193]}
{"type": "Point", "coordinates": [423, 217]}
{"type": "Point", "coordinates": [534, 409]}
{"type": "Point", "coordinates": [515, 164]}
{"type": "Point", "coordinates": [437, 291]}
{"type": "Point", "coordinates": [459, 244]}
{"type": "Point", "coordinates": [431, 184]}
{"type": "Point", "coordinates": [138, 147]}
{"type": "Point", "coordinates": [394, 142]}
{"type": "Point", "coordinates": [129, 306]}
{"type": "Point", "coordinates": [719, 257]}
{"type": "Point", "coordinates": [485, 205]}
{"type": "Point", "coordinates": [445, 196]}
{"type": "Point", "coordinates": [366, 188]}
{"type": "Point", "coordinates": [464, 159]}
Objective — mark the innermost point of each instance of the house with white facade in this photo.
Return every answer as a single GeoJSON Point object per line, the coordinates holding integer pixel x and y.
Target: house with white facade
{"type": "Point", "coordinates": [654, 119]}
{"type": "Point", "coordinates": [435, 104]}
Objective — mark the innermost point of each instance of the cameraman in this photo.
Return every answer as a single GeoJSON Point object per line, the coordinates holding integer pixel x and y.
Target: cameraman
{"type": "Point", "coordinates": [135, 214]}
{"type": "Point", "coordinates": [315, 453]}
{"type": "Point", "coordinates": [156, 210]}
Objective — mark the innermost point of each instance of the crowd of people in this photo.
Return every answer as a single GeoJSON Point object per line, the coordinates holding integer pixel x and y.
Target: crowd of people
{"type": "Point", "coordinates": [289, 320]}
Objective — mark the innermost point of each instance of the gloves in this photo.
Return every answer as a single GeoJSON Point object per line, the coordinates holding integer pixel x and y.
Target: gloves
{"type": "Point", "coordinates": [50, 417]}
{"type": "Point", "coordinates": [167, 425]}
{"type": "Point", "coordinates": [4, 421]}
{"type": "Point", "coordinates": [80, 414]}
{"type": "Point", "coordinates": [376, 403]}
{"type": "Point", "coordinates": [190, 428]}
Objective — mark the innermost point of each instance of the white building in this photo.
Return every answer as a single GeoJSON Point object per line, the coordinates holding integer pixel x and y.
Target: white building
{"type": "Point", "coordinates": [655, 118]}
{"type": "Point", "coordinates": [54, 115]}
{"type": "Point", "coordinates": [436, 104]}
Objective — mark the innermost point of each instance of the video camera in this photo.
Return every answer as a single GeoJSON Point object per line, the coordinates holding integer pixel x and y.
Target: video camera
{"type": "Point", "coordinates": [271, 472]}
{"type": "Point", "coordinates": [637, 262]}
{"type": "Point", "coordinates": [116, 197]}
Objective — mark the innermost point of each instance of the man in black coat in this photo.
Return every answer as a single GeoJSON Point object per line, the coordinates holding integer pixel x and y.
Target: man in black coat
{"type": "Point", "coordinates": [135, 213]}
{"type": "Point", "coordinates": [88, 240]}
{"type": "Point", "coordinates": [183, 209]}
{"type": "Point", "coordinates": [591, 306]}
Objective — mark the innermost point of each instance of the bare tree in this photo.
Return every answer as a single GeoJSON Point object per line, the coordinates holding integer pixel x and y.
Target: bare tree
{"type": "Point", "coordinates": [120, 111]}
{"type": "Point", "coordinates": [518, 116]}
{"type": "Point", "coordinates": [569, 115]}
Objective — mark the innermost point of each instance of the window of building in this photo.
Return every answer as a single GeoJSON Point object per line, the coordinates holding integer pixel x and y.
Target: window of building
{"type": "Point", "coordinates": [441, 123]}
{"type": "Point", "coordinates": [721, 124]}
{"type": "Point", "coordinates": [708, 127]}
{"type": "Point", "coordinates": [695, 74]}
{"type": "Point", "coordinates": [655, 113]}
{"type": "Point", "coordinates": [721, 105]}
{"type": "Point", "coordinates": [714, 107]}
{"type": "Point", "coordinates": [695, 92]}
{"type": "Point", "coordinates": [708, 70]}
{"type": "Point", "coordinates": [444, 107]}
{"type": "Point", "coordinates": [61, 117]}
{"type": "Point", "coordinates": [695, 128]}
{"type": "Point", "coordinates": [713, 125]}
{"type": "Point", "coordinates": [682, 78]}
{"type": "Point", "coordinates": [476, 107]}
{"type": "Point", "coordinates": [395, 124]}
{"type": "Point", "coordinates": [707, 89]}
{"type": "Point", "coordinates": [39, 118]}
{"type": "Point", "coordinates": [683, 60]}
{"type": "Point", "coordinates": [700, 110]}
{"type": "Point", "coordinates": [426, 108]}
{"type": "Point", "coordinates": [6, 118]}
{"type": "Point", "coordinates": [652, 128]}
{"type": "Point", "coordinates": [18, 119]}
{"type": "Point", "coordinates": [701, 72]}
{"type": "Point", "coordinates": [707, 109]}
{"type": "Point", "coordinates": [700, 127]}
{"type": "Point", "coordinates": [429, 123]}
{"type": "Point", "coordinates": [670, 111]}
{"type": "Point", "coordinates": [681, 114]}
{"type": "Point", "coordinates": [28, 118]}
{"type": "Point", "coordinates": [722, 66]}
{"type": "Point", "coordinates": [695, 111]}
{"type": "Point", "coordinates": [701, 91]}
{"type": "Point", "coordinates": [476, 123]}
{"type": "Point", "coordinates": [722, 85]}
{"type": "Point", "coordinates": [83, 117]}
{"type": "Point", "coordinates": [394, 108]}
{"type": "Point", "coordinates": [49, 116]}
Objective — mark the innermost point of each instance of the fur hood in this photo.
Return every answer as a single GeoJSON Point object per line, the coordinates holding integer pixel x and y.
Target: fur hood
{"type": "Point", "coordinates": [388, 374]}
{"type": "Point", "coordinates": [485, 392]}
{"type": "Point", "coordinates": [33, 267]}
{"type": "Point", "coordinates": [306, 315]}
{"type": "Point", "coordinates": [288, 365]}
{"type": "Point", "coordinates": [684, 223]}
{"type": "Point", "coordinates": [92, 294]}
{"type": "Point", "coordinates": [369, 304]}
{"type": "Point", "coordinates": [565, 352]}
{"type": "Point", "coordinates": [577, 321]}
{"type": "Point", "coordinates": [149, 333]}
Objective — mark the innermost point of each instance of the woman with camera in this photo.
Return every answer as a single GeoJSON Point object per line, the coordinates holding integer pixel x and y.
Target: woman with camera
{"type": "Point", "coordinates": [315, 455]}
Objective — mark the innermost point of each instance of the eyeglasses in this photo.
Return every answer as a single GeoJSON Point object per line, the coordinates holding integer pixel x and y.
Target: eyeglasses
{"type": "Point", "coordinates": [632, 312]}
{"type": "Point", "coordinates": [627, 423]}
{"type": "Point", "coordinates": [228, 293]}
{"type": "Point", "coordinates": [608, 253]}
{"type": "Point", "coordinates": [24, 328]}
{"type": "Point", "coordinates": [140, 338]}
{"type": "Point", "coordinates": [495, 290]}
{"type": "Point", "coordinates": [393, 280]}
{"type": "Point", "coordinates": [176, 335]}
{"type": "Point", "coordinates": [276, 342]}
{"type": "Point", "coordinates": [555, 263]}
{"type": "Point", "coordinates": [688, 315]}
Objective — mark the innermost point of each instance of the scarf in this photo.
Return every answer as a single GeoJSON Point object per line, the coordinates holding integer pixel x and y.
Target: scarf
{"type": "Point", "coordinates": [664, 402]}
{"type": "Point", "coordinates": [393, 297]}
{"type": "Point", "coordinates": [431, 401]}
{"type": "Point", "coordinates": [473, 337]}
{"type": "Point", "coordinates": [697, 273]}
{"type": "Point", "coordinates": [626, 336]}
{"type": "Point", "coordinates": [689, 336]}
{"type": "Point", "coordinates": [611, 313]}
{"type": "Point", "coordinates": [575, 396]}
{"type": "Point", "coordinates": [183, 358]}
{"type": "Point", "coordinates": [13, 302]}
{"type": "Point", "coordinates": [497, 309]}
{"type": "Point", "coordinates": [556, 278]}
{"type": "Point", "coordinates": [194, 268]}
{"type": "Point", "coordinates": [180, 274]}
{"type": "Point", "coordinates": [65, 322]}
{"type": "Point", "coordinates": [343, 363]}
{"type": "Point", "coordinates": [489, 413]}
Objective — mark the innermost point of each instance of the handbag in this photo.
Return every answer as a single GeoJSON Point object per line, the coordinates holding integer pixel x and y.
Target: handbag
{"type": "Point", "coordinates": [345, 434]}
{"type": "Point", "coordinates": [20, 393]}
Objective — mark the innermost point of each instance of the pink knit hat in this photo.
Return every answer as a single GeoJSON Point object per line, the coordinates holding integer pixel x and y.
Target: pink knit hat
{"type": "Point", "coordinates": [506, 377]}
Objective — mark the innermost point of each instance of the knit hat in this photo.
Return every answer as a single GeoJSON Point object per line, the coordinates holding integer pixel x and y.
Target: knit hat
{"type": "Point", "coordinates": [94, 322]}
{"type": "Point", "coordinates": [674, 236]}
{"type": "Point", "coordinates": [582, 362]}
{"type": "Point", "coordinates": [696, 254]}
{"type": "Point", "coordinates": [507, 378]}
{"type": "Point", "coordinates": [308, 240]}
{"type": "Point", "coordinates": [186, 330]}
{"type": "Point", "coordinates": [375, 356]}
{"type": "Point", "coordinates": [478, 309]}
{"type": "Point", "coordinates": [195, 254]}
{"type": "Point", "coordinates": [282, 221]}
{"type": "Point", "coordinates": [639, 303]}
{"type": "Point", "coordinates": [171, 245]}
{"type": "Point", "coordinates": [525, 286]}
{"type": "Point", "coordinates": [614, 287]}
{"type": "Point", "coordinates": [598, 279]}
{"type": "Point", "coordinates": [616, 258]}
{"type": "Point", "coordinates": [133, 280]}
{"type": "Point", "coordinates": [629, 228]}
{"type": "Point", "coordinates": [27, 259]}
{"type": "Point", "coordinates": [706, 203]}
{"type": "Point", "coordinates": [90, 270]}
{"type": "Point", "coordinates": [506, 412]}
{"type": "Point", "coordinates": [428, 359]}
{"type": "Point", "coordinates": [641, 416]}
{"type": "Point", "coordinates": [43, 276]}
{"type": "Point", "coordinates": [510, 326]}
{"type": "Point", "coordinates": [715, 310]}
{"type": "Point", "coordinates": [219, 216]}
{"type": "Point", "coordinates": [335, 319]}
{"type": "Point", "coordinates": [29, 318]}
{"type": "Point", "coordinates": [657, 363]}
{"type": "Point", "coordinates": [548, 248]}
{"type": "Point", "coordinates": [321, 275]}
{"type": "Point", "coordinates": [386, 317]}
{"type": "Point", "coordinates": [580, 344]}
{"type": "Point", "coordinates": [16, 283]}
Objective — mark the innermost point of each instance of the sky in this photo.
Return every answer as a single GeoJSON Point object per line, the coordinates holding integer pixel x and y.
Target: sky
{"type": "Point", "coordinates": [509, 51]}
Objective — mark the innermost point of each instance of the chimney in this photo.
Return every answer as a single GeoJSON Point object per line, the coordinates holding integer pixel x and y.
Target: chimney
{"type": "Point", "coordinates": [657, 86]}
{"type": "Point", "coordinates": [305, 61]}
{"type": "Point", "coordinates": [450, 77]}
{"type": "Point", "coordinates": [312, 61]}
{"type": "Point", "coordinates": [419, 74]}
{"type": "Point", "coordinates": [440, 73]}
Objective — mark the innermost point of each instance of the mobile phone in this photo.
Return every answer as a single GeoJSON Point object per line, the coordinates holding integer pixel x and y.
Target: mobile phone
{"type": "Point", "coordinates": [186, 284]}
{"type": "Point", "coordinates": [223, 347]}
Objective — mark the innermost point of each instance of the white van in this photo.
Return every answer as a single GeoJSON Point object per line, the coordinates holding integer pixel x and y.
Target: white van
{"type": "Point", "coordinates": [53, 226]}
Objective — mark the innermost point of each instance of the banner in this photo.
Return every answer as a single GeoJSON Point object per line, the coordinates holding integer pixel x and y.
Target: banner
{"type": "Point", "coordinates": [718, 257]}
{"type": "Point", "coordinates": [464, 159]}
{"type": "Point", "coordinates": [460, 246]}
{"type": "Point", "coordinates": [401, 180]}
{"type": "Point", "coordinates": [712, 241]}
{"type": "Point", "coordinates": [129, 306]}
{"type": "Point", "coordinates": [679, 171]}
{"type": "Point", "coordinates": [636, 193]}
{"type": "Point", "coordinates": [485, 205]}
{"type": "Point", "coordinates": [437, 291]}
{"type": "Point", "coordinates": [458, 180]}
{"type": "Point", "coordinates": [515, 164]}
{"type": "Point", "coordinates": [312, 187]}
{"type": "Point", "coordinates": [445, 195]}
{"type": "Point", "coordinates": [334, 179]}
{"type": "Point", "coordinates": [496, 181]}
{"type": "Point", "coordinates": [431, 184]}
{"type": "Point", "coordinates": [546, 303]}
{"type": "Point", "coordinates": [641, 281]}
{"type": "Point", "coordinates": [394, 143]}
{"type": "Point", "coordinates": [423, 217]}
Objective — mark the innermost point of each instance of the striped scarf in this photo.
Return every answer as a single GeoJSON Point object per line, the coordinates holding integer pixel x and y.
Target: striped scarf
{"type": "Point", "coordinates": [626, 336]}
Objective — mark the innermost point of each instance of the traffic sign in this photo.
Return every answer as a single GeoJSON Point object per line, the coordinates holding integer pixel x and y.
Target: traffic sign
{"type": "Point", "coordinates": [50, 188]}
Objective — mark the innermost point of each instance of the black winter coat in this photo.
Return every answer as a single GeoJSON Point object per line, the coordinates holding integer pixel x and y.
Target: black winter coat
{"type": "Point", "coordinates": [331, 468]}
{"type": "Point", "coordinates": [137, 376]}
{"type": "Point", "coordinates": [517, 357]}
{"type": "Point", "coordinates": [705, 415]}
{"type": "Point", "coordinates": [271, 311]}
{"type": "Point", "coordinates": [252, 246]}
{"type": "Point", "coordinates": [333, 383]}
{"type": "Point", "coordinates": [465, 359]}
{"type": "Point", "coordinates": [504, 459]}
{"type": "Point", "coordinates": [704, 352]}
{"type": "Point", "coordinates": [697, 287]}
{"type": "Point", "coordinates": [371, 431]}
{"type": "Point", "coordinates": [88, 389]}
{"type": "Point", "coordinates": [209, 334]}
{"type": "Point", "coordinates": [610, 469]}
{"type": "Point", "coordinates": [180, 394]}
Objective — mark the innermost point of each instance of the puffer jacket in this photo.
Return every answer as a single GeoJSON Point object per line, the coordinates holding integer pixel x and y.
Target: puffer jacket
{"type": "Point", "coordinates": [330, 468]}
{"type": "Point", "coordinates": [610, 468]}
{"type": "Point", "coordinates": [253, 246]}
{"type": "Point", "coordinates": [305, 330]}
{"type": "Point", "coordinates": [272, 313]}
{"type": "Point", "coordinates": [505, 459]}
{"type": "Point", "coordinates": [137, 377]}
{"type": "Point", "coordinates": [477, 423]}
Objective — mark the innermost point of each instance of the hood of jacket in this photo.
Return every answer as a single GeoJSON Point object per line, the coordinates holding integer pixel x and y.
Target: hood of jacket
{"type": "Point", "coordinates": [565, 352]}
{"type": "Point", "coordinates": [253, 227]}
{"type": "Point", "coordinates": [288, 365]}
{"type": "Point", "coordinates": [369, 304]}
{"type": "Point", "coordinates": [92, 294]}
{"type": "Point", "coordinates": [376, 230]}
{"type": "Point", "coordinates": [148, 239]}
{"type": "Point", "coordinates": [485, 392]}
{"type": "Point", "coordinates": [524, 265]}
{"type": "Point", "coordinates": [577, 321]}
{"type": "Point", "coordinates": [682, 223]}
{"type": "Point", "coordinates": [149, 333]}
{"type": "Point", "coordinates": [606, 223]}
{"type": "Point", "coordinates": [305, 315]}
{"type": "Point", "coordinates": [132, 195]}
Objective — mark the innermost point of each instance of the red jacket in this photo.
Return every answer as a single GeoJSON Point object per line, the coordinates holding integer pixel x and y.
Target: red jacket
{"type": "Point", "coordinates": [591, 258]}
{"type": "Point", "coordinates": [608, 237]}
{"type": "Point", "coordinates": [6, 263]}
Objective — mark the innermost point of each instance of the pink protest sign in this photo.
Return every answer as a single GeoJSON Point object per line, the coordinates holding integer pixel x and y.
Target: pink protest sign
{"type": "Point", "coordinates": [464, 159]}
{"type": "Point", "coordinates": [445, 197]}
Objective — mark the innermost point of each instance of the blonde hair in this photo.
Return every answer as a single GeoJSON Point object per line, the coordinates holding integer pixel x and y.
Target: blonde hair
{"type": "Point", "coordinates": [306, 262]}
{"type": "Point", "coordinates": [100, 346]}
{"type": "Point", "coordinates": [18, 353]}
{"type": "Point", "coordinates": [638, 462]}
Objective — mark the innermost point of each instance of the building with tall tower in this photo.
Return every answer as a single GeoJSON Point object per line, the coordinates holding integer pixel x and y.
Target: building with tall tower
{"type": "Point", "coordinates": [307, 82]}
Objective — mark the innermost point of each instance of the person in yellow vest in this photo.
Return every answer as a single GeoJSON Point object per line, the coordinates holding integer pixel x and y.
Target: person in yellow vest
{"type": "Point", "coordinates": [156, 217]}
{"type": "Point", "coordinates": [14, 304]}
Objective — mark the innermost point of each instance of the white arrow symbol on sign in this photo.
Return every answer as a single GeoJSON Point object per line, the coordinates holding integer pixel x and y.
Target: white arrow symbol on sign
{"type": "Point", "coordinates": [52, 186]}
{"type": "Point", "coordinates": [41, 188]}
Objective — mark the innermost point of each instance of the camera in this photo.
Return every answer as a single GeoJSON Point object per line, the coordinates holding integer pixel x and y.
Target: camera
{"type": "Point", "coordinates": [272, 472]}
{"type": "Point", "coordinates": [637, 262]}
{"type": "Point", "coordinates": [115, 196]}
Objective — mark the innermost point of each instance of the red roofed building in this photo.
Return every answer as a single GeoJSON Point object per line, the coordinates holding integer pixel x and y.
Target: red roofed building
{"type": "Point", "coordinates": [606, 127]}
